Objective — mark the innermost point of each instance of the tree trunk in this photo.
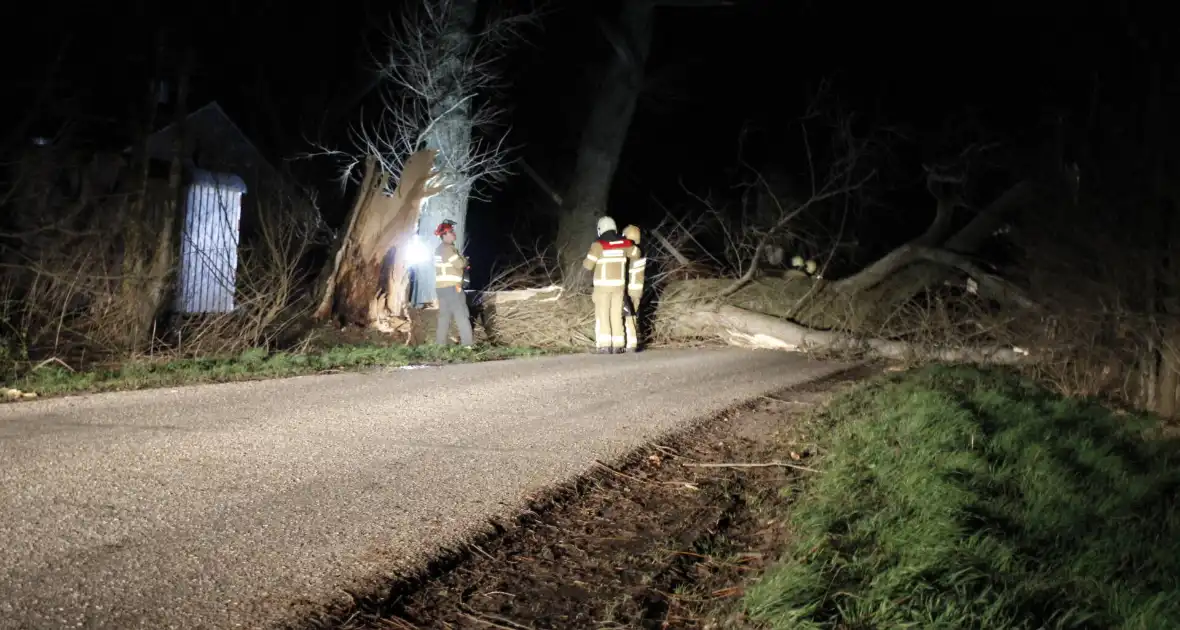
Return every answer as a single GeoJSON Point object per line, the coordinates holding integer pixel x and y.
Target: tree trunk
{"type": "Point", "coordinates": [450, 136]}
{"type": "Point", "coordinates": [131, 216]}
{"type": "Point", "coordinates": [603, 138]}
{"type": "Point", "coordinates": [151, 227]}
{"type": "Point", "coordinates": [1161, 269]}
{"type": "Point", "coordinates": [929, 260]}
{"type": "Point", "coordinates": [367, 282]}
{"type": "Point", "coordinates": [746, 328]}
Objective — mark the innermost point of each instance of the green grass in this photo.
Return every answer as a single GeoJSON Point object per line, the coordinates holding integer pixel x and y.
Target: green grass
{"type": "Point", "coordinates": [955, 498]}
{"type": "Point", "coordinates": [250, 365]}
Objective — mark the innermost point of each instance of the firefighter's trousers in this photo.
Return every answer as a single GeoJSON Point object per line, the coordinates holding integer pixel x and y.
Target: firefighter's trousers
{"type": "Point", "coordinates": [452, 306]}
{"type": "Point", "coordinates": [608, 317]}
{"type": "Point", "coordinates": [631, 322]}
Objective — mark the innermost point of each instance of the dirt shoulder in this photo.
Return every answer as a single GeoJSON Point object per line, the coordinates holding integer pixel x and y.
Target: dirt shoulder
{"type": "Point", "coordinates": [658, 542]}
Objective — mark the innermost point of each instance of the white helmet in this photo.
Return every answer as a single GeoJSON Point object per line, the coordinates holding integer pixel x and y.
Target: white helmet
{"type": "Point", "coordinates": [607, 224]}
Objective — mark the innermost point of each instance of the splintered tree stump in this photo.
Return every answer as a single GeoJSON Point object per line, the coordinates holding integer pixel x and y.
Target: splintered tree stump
{"type": "Point", "coordinates": [356, 287]}
{"type": "Point", "coordinates": [367, 283]}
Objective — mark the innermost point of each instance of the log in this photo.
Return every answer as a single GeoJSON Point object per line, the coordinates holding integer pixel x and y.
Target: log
{"type": "Point", "coordinates": [740, 327]}
{"type": "Point", "coordinates": [547, 294]}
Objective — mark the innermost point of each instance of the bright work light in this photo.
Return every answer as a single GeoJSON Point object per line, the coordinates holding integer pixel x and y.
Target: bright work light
{"type": "Point", "coordinates": [417, 251]}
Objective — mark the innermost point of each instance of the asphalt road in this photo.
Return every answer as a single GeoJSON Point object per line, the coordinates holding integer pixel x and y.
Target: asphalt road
{"type": "Point", "coordinates": [248, 504]}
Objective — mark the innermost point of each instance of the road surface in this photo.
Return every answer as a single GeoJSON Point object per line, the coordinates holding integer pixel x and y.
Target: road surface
{"type": "Point", "coordinates": [247, 504]}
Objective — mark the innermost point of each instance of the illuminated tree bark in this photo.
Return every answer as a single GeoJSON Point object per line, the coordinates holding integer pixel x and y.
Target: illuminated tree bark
{"type": "Point", "coordinates": [366, 283]}
{"type": "Point", "coordinates": [450, 135]}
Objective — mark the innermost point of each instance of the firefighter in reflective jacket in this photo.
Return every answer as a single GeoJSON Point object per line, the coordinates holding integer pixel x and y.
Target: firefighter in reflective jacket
{"type": "Point", "coordinates": [608, 258]}
{"type": "Point", "coordinates": [449, 269]}
{"type": "Point", "coordinates": [635, 271]}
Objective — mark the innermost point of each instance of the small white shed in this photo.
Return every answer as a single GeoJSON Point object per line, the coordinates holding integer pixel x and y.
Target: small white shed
{"type": "Point", "coordinates": [209, 243]}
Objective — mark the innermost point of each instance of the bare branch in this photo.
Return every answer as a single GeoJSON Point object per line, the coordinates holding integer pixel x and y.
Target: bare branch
{"type": "Point", "coordinates": [619, 43]}
{"type": "Point", "coordinates": [540, 181]}
{"type": "Point", "coordinates": [435, 79]}
{"type": "Point", "coordinates": [671, 249]}
{"type": "Point", "coordinates": [989, 219]}
{"type": "Point", "coordinates": [785, 218]}
{"type": "Point", "coordinates": [989, 283]}
{"type": "Point", "coordinates": [749, 465]}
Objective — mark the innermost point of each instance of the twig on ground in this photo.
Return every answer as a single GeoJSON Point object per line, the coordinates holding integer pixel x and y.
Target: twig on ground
{"type": "Point", "coordinates": [397, 623]}
{"type": "Point", "coordinates": [666, 452]}
{"type": "Point", "coordinates": [732, 591]}
{"type": "Point", "coordinates": [488, 619]}
{"type": "Point", "coordinates": [486, 622]}
{"type": "Point", "coordinates": [753, 465]}
{"type": "Point", "coordinates": [53, 360]}
{"type": "Point", "coordinates": [789, 402]}
{"type": "Point", "coordinates": [481, 552]}
{"type": "Point", "coordinates": [620, 473]}
{"type": "Point", "coordinates": [677, 484]}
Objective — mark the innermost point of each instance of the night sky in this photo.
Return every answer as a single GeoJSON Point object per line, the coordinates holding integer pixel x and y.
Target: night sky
{"type": "Point", "coordinates": [290, 73]}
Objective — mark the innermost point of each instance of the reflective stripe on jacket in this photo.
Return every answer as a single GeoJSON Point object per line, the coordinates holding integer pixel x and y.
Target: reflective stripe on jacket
{"type": "Point", "coordinates": [608, 259]}
{"type": "Point", "coordinates": [635, 275]}
{"type": "Point", "coordinates": [448, 266]}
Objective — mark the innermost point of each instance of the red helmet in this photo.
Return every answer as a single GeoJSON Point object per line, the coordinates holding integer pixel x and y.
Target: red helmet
{"type": "Point", "coordinates": [444, 227]}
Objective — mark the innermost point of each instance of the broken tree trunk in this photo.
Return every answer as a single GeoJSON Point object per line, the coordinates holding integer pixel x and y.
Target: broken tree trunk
{"type": "Point", "coordinates": [368, 281]}
{"type": "Point", "coordinates": [856, 301]}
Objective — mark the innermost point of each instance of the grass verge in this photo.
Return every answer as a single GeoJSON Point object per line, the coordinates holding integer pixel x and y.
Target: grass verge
{"type": "Point", "coordinates": [254, 364]}
{"type": "Point", "coordinates": [959, 498]}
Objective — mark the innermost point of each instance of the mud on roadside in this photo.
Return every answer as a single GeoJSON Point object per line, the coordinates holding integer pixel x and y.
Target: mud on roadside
{"type": "Point", "coordinates": [659, 542]}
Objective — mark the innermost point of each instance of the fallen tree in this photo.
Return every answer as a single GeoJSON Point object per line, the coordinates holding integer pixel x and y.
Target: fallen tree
{"type": "Point", "coordinates": [839, 316]}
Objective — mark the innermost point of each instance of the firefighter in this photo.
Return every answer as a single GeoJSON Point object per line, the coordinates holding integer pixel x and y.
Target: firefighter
{"type": "Point", "coordinates": [634, 289]}
{"type": "Point", "coordinates": [608, 258]}
{"type": "Point", "coordinates": [450, 269]}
